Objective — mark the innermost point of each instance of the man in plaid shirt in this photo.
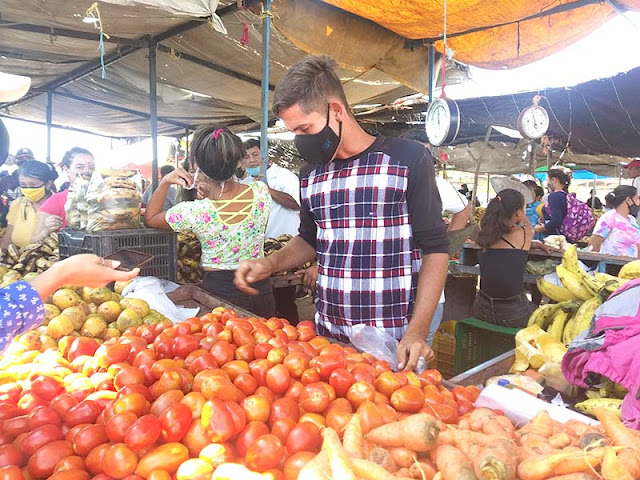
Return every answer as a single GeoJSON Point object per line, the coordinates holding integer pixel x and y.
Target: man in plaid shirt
{"type": "Point", "coordinates": [370, 211]}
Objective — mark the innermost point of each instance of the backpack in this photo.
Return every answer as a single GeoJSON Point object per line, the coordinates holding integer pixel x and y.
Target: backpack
{"type": "Point", "coordinates": [578, 221]}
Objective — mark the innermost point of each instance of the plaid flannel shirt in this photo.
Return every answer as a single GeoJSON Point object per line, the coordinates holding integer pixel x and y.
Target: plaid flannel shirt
{"type": "Point", "coordinates": [370, 218]}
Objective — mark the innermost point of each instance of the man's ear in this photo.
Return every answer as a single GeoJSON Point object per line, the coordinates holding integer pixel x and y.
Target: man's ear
{"type": "Point", "coordinates": [338, 109]}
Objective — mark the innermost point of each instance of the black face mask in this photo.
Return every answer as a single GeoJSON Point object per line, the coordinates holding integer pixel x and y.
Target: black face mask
{"type": "Point", "coordinates": [634, 210]}
{"type": "Point", "coordinates": [319, 148]}
{"type": "Point", "coordinates": [239, 172]}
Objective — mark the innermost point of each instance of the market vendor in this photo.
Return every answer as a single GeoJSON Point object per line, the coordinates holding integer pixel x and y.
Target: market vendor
{"type": "Point", "coordinates": [228, 218]}
{"type": "Point", "coordinates": [617, 231]}
{"type": "Point", "coordinates": [21, 303]}
{"type": "Point", "coordinates": [555, 208]}
{"type": "Point", "coordinates": [505, 238]}
{"type": "Point", "coordinates": [36, 181]}
{"type": "Point", "coordinates": [371, 212]}
{"type": "Point", "coordinates": [77, 162]}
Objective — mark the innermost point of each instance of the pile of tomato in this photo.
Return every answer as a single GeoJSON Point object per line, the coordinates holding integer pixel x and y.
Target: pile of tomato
{"type": "Point", "coordinates": [167, 401]}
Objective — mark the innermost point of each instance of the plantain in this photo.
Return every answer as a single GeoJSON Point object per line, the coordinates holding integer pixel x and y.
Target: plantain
{"type": "Point", "coordinates": [630, 270]}
{"type": "Point", "coordinates": [543, 315]}
{"type": "Point", "coordinates": [13, 251]}
{"type": "Point", "coordinates": [556, 293]}
{"type": "Point", "coordinates": [573, 283]}
{"type": "Point", "coordinates": [589, 405]}
{"type": "Point", "coordinates": [560, 318]}
{"type": "Point", "coordinates": [592, 393]}
{"type": "Point", "coordinates": [582, 319]}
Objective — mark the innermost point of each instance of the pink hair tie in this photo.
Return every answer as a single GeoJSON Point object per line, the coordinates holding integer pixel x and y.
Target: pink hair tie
{"type": "Point", "coordinates": [216, 133]}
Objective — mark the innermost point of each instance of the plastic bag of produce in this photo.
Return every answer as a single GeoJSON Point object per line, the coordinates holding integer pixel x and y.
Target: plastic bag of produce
{"type": "Point", "coordinates": [76, 207]}
{"type": "Point", "coordinates": [376, 342]}
{"type": "Point", "coordinates": [536, 347]}
{"type": "Point", "coordinates": [114, 199]}
{"type": "Point", "coordinates": [154, 291]}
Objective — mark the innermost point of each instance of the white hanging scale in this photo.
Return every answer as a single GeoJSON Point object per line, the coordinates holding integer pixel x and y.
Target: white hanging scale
{"type": "Point", "coordinates": [533, 121]}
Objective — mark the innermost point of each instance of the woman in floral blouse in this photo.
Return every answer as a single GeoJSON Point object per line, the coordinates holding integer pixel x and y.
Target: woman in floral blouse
{"type": "Point", "coordinates": [229, 221]}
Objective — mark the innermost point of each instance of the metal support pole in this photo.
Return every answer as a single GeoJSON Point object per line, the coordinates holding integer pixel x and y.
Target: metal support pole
{"type": "Point", "coordinates": [153, 114]}
{"type": "Point", "coordinates": [186, 145]}
{"type": "Point", "coordinates": [266, 35]}
{"type": "Point", "coordinates": [488, 186]}
{"type": "Point", "coordinates": [432, 66]}
{"type": "Point", "coordinates": [49, 122]}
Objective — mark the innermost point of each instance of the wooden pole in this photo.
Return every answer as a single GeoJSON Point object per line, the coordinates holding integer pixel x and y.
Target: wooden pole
{"type": "Point", "coordinates": [477, 172]}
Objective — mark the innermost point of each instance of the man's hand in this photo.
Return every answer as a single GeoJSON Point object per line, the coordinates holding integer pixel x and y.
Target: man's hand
{"type": "Point", "coordinates": [53, 223]}
{"type": "Point", "coordinates": [251, 271]}
{"type": "Point", "coordinates": [310, 278]}
{"type": "Point", "coordinates": [410, 349]}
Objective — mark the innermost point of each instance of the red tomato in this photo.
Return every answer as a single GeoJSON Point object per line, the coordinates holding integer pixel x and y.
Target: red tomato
{"type": "Point", "coordinates": [266, 393]}
{"type": "Point", "coordinates": [167, 457]}
{"type": "Point", "coordinates": [259, 370]}
{"type": "Point", "coordinates": [196, 438]}
{"type": "Point", "coordinates": [132, 402]}
{"type": "Point", "coordinates": [296, 363]}
{"type": "Point", "coordinates": [314, 398]}
{"type": "Point", "coordinates": [237, 415]}
{"type": "Point", "coordinates": [73, 462]}
{"type": "Point", "coordinates": [89, 438]}
{"type": "Point", "coordinates": [261, 350]}
{"type": "Point", "coordinates": [119, 424]}
{"type": "Point", "coordinates": [82, 346]}
{"type": "Point", "coordinates": [265, 453]}
{"type": "Point", "coordinates": [75, 474]}
{"type": "Point", "coordinates": [11, 472]}
{"type": "Point", "coordinates": [215, 454]}
{"type": "Point", "coordinates": [119, 461]}
{"type": "Point", "coordinates": [175, 422]}
{"type": "Point", "coordinates": [315, 418]}
{"type": "Point", "coordinates": [40, 436]}
{"type": "Point", "coordinates": [245, 352]}
{"type": "Point", "coordinates": [256, 408]}
{"type": "Point", "coordinates": [407, 399]}
{"type": "Point", "coordinates": [47, 387]}
{"type": "Point", "coordinates": [430, 377]}
{"type": "Point", "coordinates": [337, 419]}
{"type": "Point", "coordinates": [194, 402]}
{"type": "Point", "coordinates": [43, 416]}
{"type": "Point", "coordinates": [43, 461]}
{"type": "Point", "coordinates": [295, 390]}
{"type": "Point", "coordinates": [370, 416]}
{"type": "Point", "coordinates": [183, 345]}
{"type": "Point", "coordinates": [84, 412]}
{"type": "Point", "coordinates": [249, 435]}
{"type": "Point", "coordinates": [223, 352]}
{"type": "Point", "coordinates": [203, 362]}
{"type": "Point", "coordinates": [364, 373]}
{"type": "Point", "coordinates": [93, 461]}
{"type": "Point", "coordinates": [10, 411]}
{"type": "Point", "coordinates": [16, 425]}
{"type": "Point", "coordinates": [107, 354]}
{"type": "Point", "coordinates": [235, 368]}
{"type": "Point", "coordinates": [464, 406]}
{"type": "Point", "coordinates": [29, 401]}
{"type": "Point", "coordinates": [217, 420]}
{"type": "Point", "coordinates": [284, 408]}
{"type": "Point", "coordinates": [165, 400]}
{"type": "Point", "coordinates": [217, 386]}
{"type": "Point", "coordinates": [304, 436]}
{"type": "Point", "coordinates": [278, 379]}
{"type": "Point", "coordinates": [360, 392]}
{"type": "Point", "coordinates": [327, 363]}
{"type": "Point", "coordinates": [143, 433]}
{"type": "Point", "coordinates": [443, 412]}
{"type": "Point", "coordinates": [389, 382]}
{"type": "Point", "coordinates": [295, 463]}
{"type": "Point", "coordinates": [341, 380]}
{"type": "Point", "coordinates": [281, 428]}
{"type": "Point", "coordinates": [246, 383]}
{"type": "Point", "coordinates": [128, 375]}
{"type": "Point", "coordinates": [11, 455]}
{"type": "Point", "coordinates": [194, 469]}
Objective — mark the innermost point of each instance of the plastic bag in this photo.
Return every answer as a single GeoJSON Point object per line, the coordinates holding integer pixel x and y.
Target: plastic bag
{"type": "Point", "coordinates": [76, 207]}
{"type": "Point", "coordinates": [377, 342]}
{"type": "Point", "coordinates": [535, 347]}
{"type": "Point", "coordinates": [154, 291]}
{"type": "Point", "coordinates": [114, 199]}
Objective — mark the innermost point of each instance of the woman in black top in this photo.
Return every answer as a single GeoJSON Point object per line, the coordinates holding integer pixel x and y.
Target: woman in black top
{"type": "Point", "coordinates": [505, 237]}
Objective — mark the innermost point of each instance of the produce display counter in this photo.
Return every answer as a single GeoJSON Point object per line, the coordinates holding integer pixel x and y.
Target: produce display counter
{"type": "Point", "coordinates": [192, 296]}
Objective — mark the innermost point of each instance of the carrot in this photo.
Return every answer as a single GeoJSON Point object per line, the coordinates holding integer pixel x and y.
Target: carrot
{"type": "Point", "coordinates": [620, 435]}
{"type": "Point", "coordinates": [368, 470]}
{"type": "Point", "coordinates": [422, 471]}
{"type": "Point", "coordinates": [541, 424]}
{"type": "Point", "coordinates": [497, 462]}
{"type": "Point", "coordinates": [316, 468]}
{"type": "Point", "coordinates": [352, 437]}
{"type": "Point", "coordinates": [403, 472]}
{"type": "Point", "coordinates": [418, 432]}
{"type": "Point", "coordinates": [612, 467]}
{"type": "Point", "coordinates": [487, 421]}
{"type": "Point", "coordinates": [591, 440]}
{"type": "Point", "coordinates": [337, 456]}
{"type": "Point", "coordinates": [576, 428]}
{"type": "Point", "coordinates": [541, 467]}
{"type": "Point", "coordinates": [452, 463]}
{"type": "Point", "coordinates": [532, 445]}
{"type": "Point", "coordinates": [403, 457]}
{"type": "Point", "coordinates": [382, 457]}
{"type": "Point", "coordinates": [575, 476]}
{"type": "Point", "coordinates": [559, 440]}
{"type": "Point", "coordinates": [631, 460]}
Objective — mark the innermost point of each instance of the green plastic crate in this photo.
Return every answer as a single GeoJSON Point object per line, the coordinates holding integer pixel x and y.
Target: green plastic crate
{"type": "Point", "coordinates": [478, 341]}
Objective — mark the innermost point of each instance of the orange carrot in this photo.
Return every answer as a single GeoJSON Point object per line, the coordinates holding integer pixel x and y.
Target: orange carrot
{"type": "Point", "coordinates": [487, 421]}
{"type": "Point", "coordinates": [612, 467]}
{"type": "Point", "coordinates": [575, 476]}
{"type": "Point", "coordinates": [368, 470]}
{"type": "Point", "coordinates": [541, 424]}
{"type": "Point", "coordinates": [316, 468]}
{"type": "Point", "coordinates": [497, 462]}
{"type": "Point", "coordinates": [403, 457]}
{"type": "Point", "coordinates": [418, 432]}
{"type": "Point", "coordinates": [403, 472]}
{"type": "Point", "coordinates": [541, 467]}
{"type": "Point", "coordinates": [559, 440]}
{"type": "Point", "coordinates": [631, 460]}
{"type": "Point", "coordinates": [352, 438]}
{"type": "Point", "coordinates": [338, 460]}
{"type": "Point", "coordinates": [452, 463]}
{"type": "Point", "coordinates": [620, 435]}
{"type": "Point", "coordinates": [382, 457]}
{"type": "Point", "coordinates": [422, 471]}
{"type": "Point", "coordinates": [576, 428]}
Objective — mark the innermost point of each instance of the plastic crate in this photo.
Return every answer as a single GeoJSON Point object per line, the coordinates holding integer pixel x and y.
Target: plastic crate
{"type": "Point", "coordinates": [478, 341]}
{"type": "Point", "coordinates": [161, 244]}
{"type": "Point", "coordinates": [444, 348]}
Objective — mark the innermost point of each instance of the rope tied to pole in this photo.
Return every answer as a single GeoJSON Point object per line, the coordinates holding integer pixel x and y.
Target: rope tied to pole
{"type": "Point", "coordinates": [94, 12]}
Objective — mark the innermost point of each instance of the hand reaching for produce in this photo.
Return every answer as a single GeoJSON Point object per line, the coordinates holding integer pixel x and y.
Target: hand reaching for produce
{"type": "Point", "coordinates": [251, 271]}
{"type": "Point", "coordinates": [52, 223]}
{"type": "Point", "coordinates": [310, 278]}
{"type": "Point", "coordinates": [410, 349]}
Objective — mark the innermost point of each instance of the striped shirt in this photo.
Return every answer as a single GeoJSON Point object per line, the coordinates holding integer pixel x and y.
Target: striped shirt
{"type": "Point", "coordinates": [370, 219]}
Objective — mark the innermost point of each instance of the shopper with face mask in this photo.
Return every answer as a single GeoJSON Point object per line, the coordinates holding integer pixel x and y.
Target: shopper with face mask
{"type": "Point", "coordinates": [555, 208]}
{"type": "Point", "coordinates": [36, 181]}
{"type": "Point", "coordinates": [369, 209]}
{"type": "Point", "coordinates": [77, 162]}
{"type": "Point", "coordinates": [617, 231]}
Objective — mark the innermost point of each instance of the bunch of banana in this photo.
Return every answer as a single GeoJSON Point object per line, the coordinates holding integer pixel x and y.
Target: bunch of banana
{"type": "Point", "coordinates": [33, 258]}
{"type": "Point", "coordinates": [189, 253]}
{"type": "Point", "coordinates": [479, 213]}
{"type": "Point", "coordinates": [589, 405]}
{"type": "Point", "coordinates": [581, 320]}
{"type": "Point", "coordinates": [272, 245]}
{"type": "Point", "coordinates": [630, 271]}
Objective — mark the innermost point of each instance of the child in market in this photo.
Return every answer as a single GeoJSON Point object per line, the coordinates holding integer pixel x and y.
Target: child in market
{"type": "Point", "coordinates": [505, 237]}
{"type": "Point", "coordinates": [228, 218]}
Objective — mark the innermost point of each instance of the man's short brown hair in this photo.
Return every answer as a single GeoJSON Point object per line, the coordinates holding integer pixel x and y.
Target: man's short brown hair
{"type": "Point", "coordinates": [310, 83]}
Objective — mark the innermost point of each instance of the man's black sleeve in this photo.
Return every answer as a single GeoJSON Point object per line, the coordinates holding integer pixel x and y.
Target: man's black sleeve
{"type": "Point", "coordinates": [308, 227]}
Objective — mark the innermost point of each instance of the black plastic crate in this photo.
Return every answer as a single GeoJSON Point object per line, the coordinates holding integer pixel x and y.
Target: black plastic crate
{"type": "Point", "coordinates": [161, 244]}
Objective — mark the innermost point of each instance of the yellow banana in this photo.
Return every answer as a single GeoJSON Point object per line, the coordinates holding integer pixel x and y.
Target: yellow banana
{"type": "Point", "coordinates": [556, 293]}
{"type": "Point", "coordinates": [556, 328]}
{"type": "Point", "coordinates": [573, 282]}
{"type": "Point", "coordinates": [543, 315]}
{"type": "Point", "coordinates": [582, 319]}
{"type": "Point", "coordinates": [570, 262]}
{"type": "Point", "coordinates": [630, 270]}
{"type": "Point", "coordinates": [592, 393]}
{"type": "Point", "coordinates": [570, 259]}
{"type": "Point", "coordinates": [591, 283]}
{"type": "Point", "coordinates": [589, 406]}
{"type": "Point", "coordinates": [567, 333]}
